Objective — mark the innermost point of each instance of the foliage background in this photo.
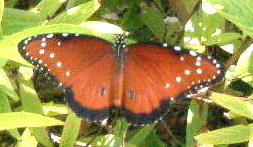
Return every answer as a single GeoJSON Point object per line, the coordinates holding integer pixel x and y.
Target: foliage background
{"type": "Point", "coordinates": [222, 28]}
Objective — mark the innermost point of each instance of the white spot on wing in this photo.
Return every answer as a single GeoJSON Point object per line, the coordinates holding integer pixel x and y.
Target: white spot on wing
{"type": "Point", "coordinates": [67, 73]}
{"type": "Point", "coordinates": [182, 58]}
{"type": "Point", "coordinates": [178, 79]}
{"type": "Point", "coordinates": [50, 35]}
{"type": "Point", "coordinates": [177, 48]}
{"type": "Point", "coordinates": [187, 72]}
{"type": "Point", "coordinates": [65, 34]}
{"type": "Point", "coordinates": [193, 53]}
{"type": "Point", "coordinates": [199, 71]}
{"type": "Point", "coordinates": [41, 51]}
{"type": "Point", "coordinates": [52, 55]}
{"type": "Point", "coordinates": [58, 43]}
{"type": "Point", "coordinates": [167, 85]}
{"type": "Point", "coordinates": [165, 44]}
{"type": "Point", "coordinates": [26, 41]}
{"type": "Point", "coordinates": [43, 44]}
{"type": "Point", "coordinates": [59, 64]}
{"type": "Point", "coordinates": [198, 63]}
{"type": "Point", "coordinates": [198, 58]}
{"type": "Point", "coordinates": [218, 65]}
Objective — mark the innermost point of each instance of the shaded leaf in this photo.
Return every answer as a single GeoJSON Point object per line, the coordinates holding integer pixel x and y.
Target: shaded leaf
{"type": "Point", "coordinates": [15, 20]}
{"type": "Point", "coordinates": [5, 107]}
{"type": "Point", "coordinates": [196, 120]}
{"type": "Point", "coordinates": [153, 19]}
{"type": "Point", "coordinates": [6, 86]}
{"type": "Point", "coordinates": [77, 14]}
{"type": "Point", "coordinates": [47, 8]}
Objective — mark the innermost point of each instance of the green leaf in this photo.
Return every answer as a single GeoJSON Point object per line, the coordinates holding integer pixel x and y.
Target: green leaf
{"type": "Point", "coordinates": [3, 62]}
{"type": "Point", "coordinates": [1, 16]}
{"type": "Point", "coordinates": [15, 20]}
{"type": "Point", "coordinates": [243, 108]}
{"type": "Point", "coordinates": [131, 20]}
{"type": "Point", "coordinates": [120, 131]}
{"type": "Point", "coordinates": [6, 86]}
{"type": "Point", "coordinates": [73, 3]}
{"type": "Point", "coordinates": [222, 39]}
{"type": "Point", "coordinates": [239, 12]}
{"type": "Point", "coordinates": [153, 140]}
{"type": "Point", "coordinates": [70, 130]}
{"type": "Point", "coordinates": [47, 8]}
{"type": "Point", "coordinates": [196, 120]}
{"type": "Point", "coordinates": [77, 14]}
{"type": "Point", "coordinates": [27, 140]}
{"type": "Point", "coordinates": [31, 103]}
{"type": "Point", "coordinates": [5, 107]}
{"type": "Point", "coordinates": [11, 3]}
{"type": "Point", "coordinates": [201, 27]}
{"type": "Point", "coordinates": [51, 109]}
{"type": "Point", "coordinates": [244, 65]}
{"type": "Point", "coordinates": [153, 19]}
{"type": "Point", "coordinates": [138, 138]}
{"type": "Point", "coordinates": [229, 135]}
{"type": "Point", "coordinates": [26, 119]}
{"type": "Point", "coordinates": [147, 137]}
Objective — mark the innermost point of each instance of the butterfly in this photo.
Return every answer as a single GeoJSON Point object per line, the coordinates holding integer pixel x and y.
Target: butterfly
{"type": "Point", "coordinates": [141, 79]}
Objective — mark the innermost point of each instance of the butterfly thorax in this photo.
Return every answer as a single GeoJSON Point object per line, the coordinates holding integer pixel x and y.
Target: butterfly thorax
{"type": "Point", "coordinates": [119, 51]}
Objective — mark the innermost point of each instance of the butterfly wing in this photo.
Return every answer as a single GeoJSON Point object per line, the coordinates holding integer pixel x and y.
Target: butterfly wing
{"type": "Point", "coordinates": [82, 64]}
{"type": "Point", "coordinates": [154, 75]}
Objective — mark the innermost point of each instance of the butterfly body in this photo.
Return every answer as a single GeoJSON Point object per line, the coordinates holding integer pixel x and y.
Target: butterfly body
{"type": "Point", "coordinates": [141, 79]}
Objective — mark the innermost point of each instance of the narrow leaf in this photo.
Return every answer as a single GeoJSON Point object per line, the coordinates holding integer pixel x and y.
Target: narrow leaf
{"type": "Point", "coordinates": [234, 104]}
{"type": "Point", "coordinates": [25, 119]}
{"type": "Point", "coordinates": [6, 86]}
{"type": "Point", "coordinates": [70, 130]}
{"type": "Point", "coordinates": [77, 14]}
{"type": "Point", "coordinates": [196, 119]}
{"type": "Point", "coordinates": [47, 8]}
{"type": "Point", "coordinates": [229, 135]}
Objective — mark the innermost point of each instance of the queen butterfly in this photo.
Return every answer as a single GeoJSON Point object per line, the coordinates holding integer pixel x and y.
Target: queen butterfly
{"type": "Point", "coordinates": [141, 79]}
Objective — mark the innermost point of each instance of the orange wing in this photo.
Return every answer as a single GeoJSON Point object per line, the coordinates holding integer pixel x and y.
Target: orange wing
{"type": "Point", "coordinates": [82, 64]}
{"type": "Point", "coordinates": [154, 75]}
